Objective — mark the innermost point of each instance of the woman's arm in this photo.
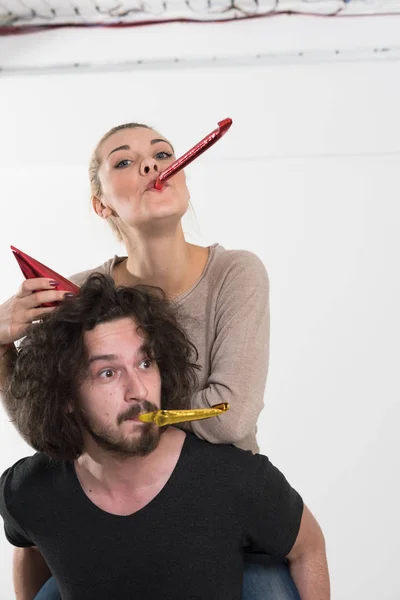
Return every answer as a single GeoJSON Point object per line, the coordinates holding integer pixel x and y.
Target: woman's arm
{"type": "Point", "coordinates": [239, 355]}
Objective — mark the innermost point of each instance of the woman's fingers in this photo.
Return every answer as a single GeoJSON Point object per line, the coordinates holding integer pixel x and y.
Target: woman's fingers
{"type": "Point", "coordinates": [36, 299]}
{"type": "Point", "coordinates": [18, 312]}
{"type": "Point", "coordinates": [29, 286]}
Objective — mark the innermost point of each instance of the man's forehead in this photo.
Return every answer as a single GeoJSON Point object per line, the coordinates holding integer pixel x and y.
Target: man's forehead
{"type": "Point", "coordinates": [113, 334]}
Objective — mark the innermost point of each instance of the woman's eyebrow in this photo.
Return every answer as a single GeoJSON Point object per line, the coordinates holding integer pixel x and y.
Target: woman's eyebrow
{"type": "Point", "coordinates": [156, 140]}
{"type": "Point", "coordinates": [152, 142]}
{"type": "Point", "coordinates": [120, 148]}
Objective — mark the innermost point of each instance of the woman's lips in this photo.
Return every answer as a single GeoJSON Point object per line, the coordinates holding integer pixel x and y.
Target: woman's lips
{"type": "Point", "coordinates": [151, 186]}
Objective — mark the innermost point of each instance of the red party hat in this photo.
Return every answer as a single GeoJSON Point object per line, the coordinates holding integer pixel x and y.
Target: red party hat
{"type": "Point", "coordinates": [32, 268]}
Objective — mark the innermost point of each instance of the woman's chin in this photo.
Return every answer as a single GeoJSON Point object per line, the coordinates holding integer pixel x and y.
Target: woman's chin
{"type": "Point", "coordinates": [165, 208]}
{"type": "Point", "coordinates": [161, 219]}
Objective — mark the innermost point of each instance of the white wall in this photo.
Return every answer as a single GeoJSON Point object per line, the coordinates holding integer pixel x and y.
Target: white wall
{"type": "Point", "coordinates": [307, 178]}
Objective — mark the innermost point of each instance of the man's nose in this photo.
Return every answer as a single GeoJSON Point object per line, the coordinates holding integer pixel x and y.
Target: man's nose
{"type": "Point", "coordinates": [135, 388]}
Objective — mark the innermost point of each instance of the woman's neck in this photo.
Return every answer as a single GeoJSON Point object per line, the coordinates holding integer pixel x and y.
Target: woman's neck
{"type": "Point", "coordinates": [167, 261]}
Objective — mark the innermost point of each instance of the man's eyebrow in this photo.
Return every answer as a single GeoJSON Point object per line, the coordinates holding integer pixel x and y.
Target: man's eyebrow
{"type": "Point", "coordinates": [98, 357]}
{"type": "Point", "coordinates": [142, 351]}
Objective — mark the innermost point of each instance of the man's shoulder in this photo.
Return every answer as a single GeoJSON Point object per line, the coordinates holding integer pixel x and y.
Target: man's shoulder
{"type": "Point", "coordinates": [27, 474]}
{"type": "Point", "coordinates": [225, 457]}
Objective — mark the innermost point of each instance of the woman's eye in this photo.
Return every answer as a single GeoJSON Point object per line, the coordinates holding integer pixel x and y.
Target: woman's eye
{"type": "Point", "coordinates": [123, 163]}
{"type": "Point", "coordinates": [163, 155]}
{"type": "Point", "coordinates": [106, 374]}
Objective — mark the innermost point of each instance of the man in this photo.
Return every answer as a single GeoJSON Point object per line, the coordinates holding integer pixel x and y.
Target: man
{"type": "Point", "coordinates": [117, 509]}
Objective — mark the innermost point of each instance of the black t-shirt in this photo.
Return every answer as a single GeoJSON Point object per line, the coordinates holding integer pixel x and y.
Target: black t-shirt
{"type": "Point", "coordinates": [186, 544]}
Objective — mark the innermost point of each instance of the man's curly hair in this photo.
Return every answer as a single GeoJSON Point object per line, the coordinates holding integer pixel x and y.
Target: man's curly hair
{"type": "Point", "coordinates": [52, 361]}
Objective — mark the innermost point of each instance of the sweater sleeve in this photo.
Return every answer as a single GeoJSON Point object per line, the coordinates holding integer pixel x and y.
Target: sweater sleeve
{"type": "Point", "coordinates": [239, 354]}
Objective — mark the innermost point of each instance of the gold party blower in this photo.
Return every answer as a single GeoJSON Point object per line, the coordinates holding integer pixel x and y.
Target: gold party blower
{"type": "Point", "coordinates": [170, 417]}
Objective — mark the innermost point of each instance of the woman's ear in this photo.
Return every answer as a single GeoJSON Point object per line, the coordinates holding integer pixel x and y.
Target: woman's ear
{"type": "Point", "coordinates": [101, 209]}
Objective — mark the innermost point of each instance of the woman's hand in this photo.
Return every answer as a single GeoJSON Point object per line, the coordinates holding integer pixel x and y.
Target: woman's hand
{"type": "Point", "coordinates": [17, 313]}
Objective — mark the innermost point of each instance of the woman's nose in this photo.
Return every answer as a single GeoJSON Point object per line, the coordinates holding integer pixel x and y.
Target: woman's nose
{"type": "Point", "coordinates": [149, 165]}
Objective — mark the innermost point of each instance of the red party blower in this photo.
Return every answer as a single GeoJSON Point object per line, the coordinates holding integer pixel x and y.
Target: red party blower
{"type": "Point", "coordinates": [194, 152]}
{"type": "Point", "coordinates": [32, 268]}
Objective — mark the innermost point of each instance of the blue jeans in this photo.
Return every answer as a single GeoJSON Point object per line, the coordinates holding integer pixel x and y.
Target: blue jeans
{"type": "Point", "coordinates": [267, 580]}
{"type": "Point", "coordinates": [260, 582]}
{"type": "Point", "coordinates": [49, 591]}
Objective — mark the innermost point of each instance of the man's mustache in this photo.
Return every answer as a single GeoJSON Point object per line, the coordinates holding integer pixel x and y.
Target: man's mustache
{"type": "Point", "coordinates": [135, 410]}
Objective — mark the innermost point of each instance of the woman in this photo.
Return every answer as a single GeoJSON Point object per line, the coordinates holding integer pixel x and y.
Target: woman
{"type": "Point", "coordinates": [221, 297]}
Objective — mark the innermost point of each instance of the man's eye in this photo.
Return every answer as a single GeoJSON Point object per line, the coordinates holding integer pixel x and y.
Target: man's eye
{"type": "Point", "coordinates": [123, 163]}
{"type": "Point", "coordinates": [106, 374]}
{"type": "Point", "coordinates": [146, 364]}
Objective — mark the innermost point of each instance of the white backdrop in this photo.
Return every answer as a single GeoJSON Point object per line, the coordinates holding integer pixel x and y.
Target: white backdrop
{"type": "Point", "coordinates": [307, 178]}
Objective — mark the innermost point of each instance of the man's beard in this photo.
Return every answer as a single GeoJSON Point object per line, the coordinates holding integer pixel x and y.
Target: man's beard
{"type": "Point", "coordinates": [142, 443]}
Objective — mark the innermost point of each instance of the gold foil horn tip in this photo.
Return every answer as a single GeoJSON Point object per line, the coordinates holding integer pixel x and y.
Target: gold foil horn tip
{"type": "Point", "coordinates": [170, 417]}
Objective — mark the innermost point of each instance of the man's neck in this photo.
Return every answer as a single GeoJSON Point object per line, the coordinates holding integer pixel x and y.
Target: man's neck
{"type": "Point", "coordinates": [102, 473]}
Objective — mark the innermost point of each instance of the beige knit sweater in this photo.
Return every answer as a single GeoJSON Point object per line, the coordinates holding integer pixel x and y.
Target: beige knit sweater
{"type": "Point", "coordinates": [226, 316]}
